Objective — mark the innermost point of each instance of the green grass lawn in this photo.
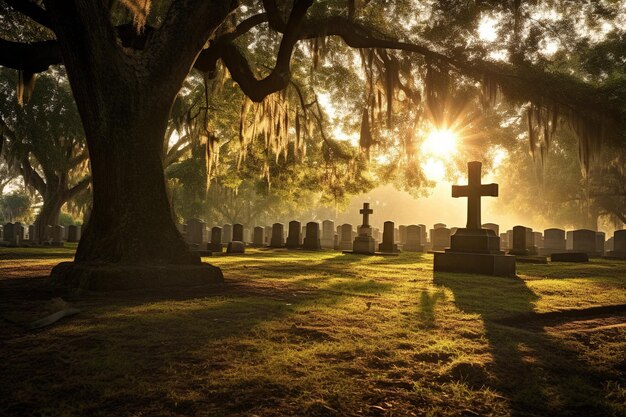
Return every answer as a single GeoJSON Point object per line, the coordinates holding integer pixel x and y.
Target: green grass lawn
{"type": "Point", "coordinates": [319, 334]}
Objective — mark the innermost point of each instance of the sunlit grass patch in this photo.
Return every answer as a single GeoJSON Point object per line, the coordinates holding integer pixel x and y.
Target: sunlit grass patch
{"type": "Point", "coordinates": [321, 333]}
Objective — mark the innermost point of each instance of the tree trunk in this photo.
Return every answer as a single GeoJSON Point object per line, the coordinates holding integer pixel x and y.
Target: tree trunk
{"type": "Point", "coordinates": [131, 221]}
{"type": "Point", "coordinates": [48, 215]}
{"type": "Point", "coordinates": [124, 98]}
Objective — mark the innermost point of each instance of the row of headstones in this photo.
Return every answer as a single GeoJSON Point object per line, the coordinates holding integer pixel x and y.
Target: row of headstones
{"type": "Point", "coordinates": [523, 241]}
{"type": "Point", "coordinates": [311, 236]}
{"type": "Point", "coordinates": [15, 234]}
{"type": "Point", "coordinates": [520, 240]}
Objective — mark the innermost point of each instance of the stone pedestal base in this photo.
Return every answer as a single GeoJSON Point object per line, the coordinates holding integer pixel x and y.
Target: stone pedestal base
{"type": "Point", "coordinates": [108, 277]}
{"type": "Point", "coordinates": [388, 248]}
{"type": "Point", "coordinates": [214, 247]}
{"type": "Point", "coordinates": [292, 243]}
{"type": "Point", "coordinates": [327, 243]}
{"type": "Point", "coordinates": [311, 244]}
{"type": "Point", "coordinates": [475, 240]}
{"type": "Point", "coordinates": [615, 255]}
{"type": "Point", "coordinates": [475, 263]}
{"type": "Point", "coordinates": [412, 247]}
{"type": "Point", "coordinates": [570, 257]}
{"type": "Point", "coordinates": [344, 245]}
{"type": "Point", "coordinates": [364, 244]}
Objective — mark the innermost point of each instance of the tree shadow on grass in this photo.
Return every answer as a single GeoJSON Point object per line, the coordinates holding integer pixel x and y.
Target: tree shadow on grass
{"type": "Point", "coordinates": [538, 375]}
{"type": "Point", "coordinates": [124, 352]}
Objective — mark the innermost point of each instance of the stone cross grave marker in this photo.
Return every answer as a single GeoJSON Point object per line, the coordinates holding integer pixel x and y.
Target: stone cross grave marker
{"type": "Point", "coordinates": [474, 190]}
{"type": "Point", "coordinates": [364, 242]}
{"type": "Point", "coordinates": [366, 211]}
{"type": "Point", "coordinates": [474, 249]}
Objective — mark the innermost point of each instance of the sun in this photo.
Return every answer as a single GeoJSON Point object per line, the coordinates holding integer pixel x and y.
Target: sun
{"type": "Point", "coordinates": [437, 150]}
{"type": "Point", "coordinates": [441, 144]}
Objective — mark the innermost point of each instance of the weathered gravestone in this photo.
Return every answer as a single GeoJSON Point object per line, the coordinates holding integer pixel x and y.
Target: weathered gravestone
{"type": "Point", "coordinates": [312, 239]}
{"type": "Point", "coordinates": [521, 241]}
{"type": "Point", "coordinates": [364, 243]}
{"type": "Point", "coordinates": [58, 234]}
{"type": "Point", "coordinates": [294, 238]}
{"type": "Point", "coordinates": [227, 233]}
{"type": "Point", "coordinates": [538, 240]}
{"type": "Point", "coordinates": [413, 239]}
{"type": "Point", "coordinates": [268, 234]}
{"type": "Point", "coordinates": [73, 233]}
{"type": "Point", "coordinates": [278, 236]}
{"type": "Point", "coordinates": [238, 232]}
{"type": "Point", "coordinates": [328, 234]}
{"type": "Point", "coordinates": [258, 236]}
{"type": "Point", "coordinates": [216, 239]}
{"type": "Point", "coordinates": [474, 249]}
{"type": "Point", "coordinates": [584, 240]}
{"type": "Point", "coordinates": [237, 245]}
{"type": "Point", "coordinates": [600, 238]}
{"type": "Point", "coordinates": [402, 232]}
{"type": "Point", "coordinates": [440, 238]}
{"type": "Point", "coordinates": [388, 245]}
{"type": "Point", "coordinates": [553, 241]}
{"type": "Point", "coordinates": [345, 242]}
{"type": "Point", "coordinates": [619, 245]}
{"type": "Point", "coordinates": [246, 236]}
{"type": "Point", "coordinates": [11, 234]}
{"type": "Point", "coordinates": [504, 242]}
{"type": "Point", "coordinates": [196, 232]}
{"type": "Point", "coordinates": [494, 227]}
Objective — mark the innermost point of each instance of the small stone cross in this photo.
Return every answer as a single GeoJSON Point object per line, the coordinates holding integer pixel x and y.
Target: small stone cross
{"type": "Point", "coordinates": [474, 190]}
{"type": "Point", "coordinates": [366, 211]}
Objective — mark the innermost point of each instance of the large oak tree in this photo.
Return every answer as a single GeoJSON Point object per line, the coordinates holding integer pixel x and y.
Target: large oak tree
{"type": "Point", "coordinates": [125, 78]}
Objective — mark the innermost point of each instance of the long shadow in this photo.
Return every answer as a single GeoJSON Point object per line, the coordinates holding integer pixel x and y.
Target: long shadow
{"type": "Point", "coordinates": [538, 374]}
{"type": "Point", "coordinates": [131, 338]}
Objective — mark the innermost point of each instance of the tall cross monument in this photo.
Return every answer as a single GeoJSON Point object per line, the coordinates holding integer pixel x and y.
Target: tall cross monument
{"type": "Point", "coordinates": [474, 190]}
{"type": "Point", "coordinates": [366, 211]}
{"type": "Point", "coordinates": [473, 249]}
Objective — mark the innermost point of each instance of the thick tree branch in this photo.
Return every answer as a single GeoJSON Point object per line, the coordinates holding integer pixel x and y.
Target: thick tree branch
{"type": "Point", "coordinates": [31, 176]}
{"type": "Point", "coordinates": [79, 187]}
{"type": "Point", "coordinates": [30, 9]}
{"type": "Point", "coordinates": [280, 76]}
{"type": "Point", "coordinates": [31, 57]}
{"type": "Point", "coordinates": [186, 28]}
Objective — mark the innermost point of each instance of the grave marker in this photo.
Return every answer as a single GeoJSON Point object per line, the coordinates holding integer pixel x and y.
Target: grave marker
{"type": "Point", "coordinates": [474, 249]}
{"type": "Point", "coordinates": [312, 240]}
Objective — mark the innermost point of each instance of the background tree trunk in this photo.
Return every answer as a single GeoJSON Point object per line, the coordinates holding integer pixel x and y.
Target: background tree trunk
{"type": "Point", "coordinates": [48, 215]}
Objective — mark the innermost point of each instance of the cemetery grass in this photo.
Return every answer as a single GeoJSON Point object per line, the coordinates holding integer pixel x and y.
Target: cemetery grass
{"type": "Point", "coordinates": [318, 334]}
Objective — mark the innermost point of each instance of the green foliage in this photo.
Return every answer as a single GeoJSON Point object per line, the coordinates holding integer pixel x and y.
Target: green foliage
{"type": "Point", "coordinates": [16, 207]}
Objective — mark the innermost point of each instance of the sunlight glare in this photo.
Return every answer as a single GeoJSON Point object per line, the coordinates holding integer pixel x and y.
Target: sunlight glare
{"type": "Point", "coordinates": [434, 169]}
{"type": "Point", "coordinates": [487, 29]}
{"type": "Point", "coordinates": [440, 143]}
